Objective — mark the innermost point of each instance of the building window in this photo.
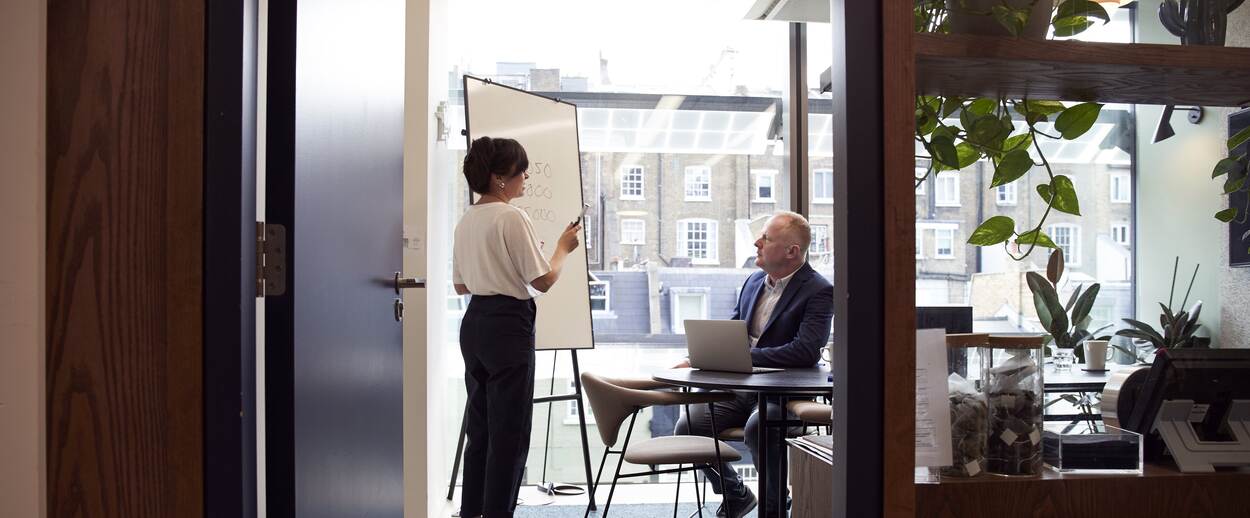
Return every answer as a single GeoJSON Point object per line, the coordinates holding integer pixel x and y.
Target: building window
{"type": "Point", "coordinates": [765, 184]}
{"type": "Point", "coordinates": [1119, 233]}
{"type": "Point", "coordinates": [696, 239]}
{"type": "Point", "coordinates": [631, 182]}
{"type": "Point", "coordinates": [822, 186]}
{"type": "Point", "coordinates": [570, 416]}
{"type": "Point", "coordinates": [820, 240]}
{"type": "Point", "coordinates": [588, 230]}
{"type": "Point", "coordinates": [633, 231]}
{"type": "Point", "coordinates": [947, 187]}
{"type": "Point", "coordinates": [1068, 238]}
{"type": "Point", "coordinates": [747, 472]}
{"type": "Point", "coordinates": [944, 243]}
{"type": "Point", "coordinates": [687, 304]}
{"type": "Point", "coordinates": [919, 243]}
{"type": "Point", "coordinates": [600, 292]}
{"type": "Point", "coordinates": [698, 183]}
{"type": "Point", "coordinates": [1006, 194]}
{"type": "Point", "coordinates": [1121, 188]}
{"type": "Point", "coordinates": [920, 186]}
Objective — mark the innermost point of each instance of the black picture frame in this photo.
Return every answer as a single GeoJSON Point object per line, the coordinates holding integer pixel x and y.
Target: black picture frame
{"type": "Point", "coordinates": [1239, 228]}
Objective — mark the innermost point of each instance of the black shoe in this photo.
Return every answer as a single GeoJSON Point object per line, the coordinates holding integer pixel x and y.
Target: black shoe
{"type": "Point", "coordinates": [741, 506]}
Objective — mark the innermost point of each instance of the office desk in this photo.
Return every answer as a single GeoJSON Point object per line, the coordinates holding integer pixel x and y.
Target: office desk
{"type": "Point", "coordinates": [790, 382]}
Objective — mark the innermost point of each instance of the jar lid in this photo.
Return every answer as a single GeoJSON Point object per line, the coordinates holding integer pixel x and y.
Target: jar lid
{"type": "Point", "coordinates": [967, 339]}
{"type": "Point", "coordinates": [1017, 341]}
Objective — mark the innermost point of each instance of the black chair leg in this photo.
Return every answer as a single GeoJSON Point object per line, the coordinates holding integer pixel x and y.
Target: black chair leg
{"type": "Point", "coordinates": [677, 493]}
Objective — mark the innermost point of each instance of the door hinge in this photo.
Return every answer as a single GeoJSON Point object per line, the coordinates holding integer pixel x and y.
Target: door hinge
{"type": "Point", "coordinates": [270, 259]}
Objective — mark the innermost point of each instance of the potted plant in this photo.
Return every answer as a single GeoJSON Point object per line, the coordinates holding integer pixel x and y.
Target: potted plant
{"type": "Point", "coordinates": [1178, 328]}
{"type": "Point", "coordinates": [1067, 325]}
{"type": "Point", "coordinates": [956, 132]}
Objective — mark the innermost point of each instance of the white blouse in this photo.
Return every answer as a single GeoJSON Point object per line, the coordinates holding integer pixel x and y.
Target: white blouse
{"type": "Point", "coordinates": [496, 251]}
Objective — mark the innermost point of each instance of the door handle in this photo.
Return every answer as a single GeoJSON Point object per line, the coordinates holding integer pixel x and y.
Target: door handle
{"type": "Point", "coordinates": [407, 282]}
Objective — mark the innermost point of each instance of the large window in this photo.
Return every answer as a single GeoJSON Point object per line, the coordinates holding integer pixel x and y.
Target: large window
{"type": "Point", "coordinates": [765, 186]}
{"type": "Point", "coordinates": [631, 182]}
{"type": "Point", "coordinates": [822, 186]}
{"type": "Point", "coordinates": [1005, 194]}
{"type": "Point", "coordinates": [698, 183]}
{"type": "Point", "coordinates": [688, 304]}
{"type": "Point", "coordinates": [633, 231]}
{"type": "Point", "coordinates": [1068, 238]}
{"type": "Point", "coordinates": [1121, 188]}
{"type": "Point", "coordinates": [600, 296]}
{"type": "Point", "coordinates": [697, 239]}
{"type": "Point", "coordinates": [820, 240]}
{"type": "Point", "coordinates": [947, 189]}
{"type": "Point", "coordinates": [1120, 234]}
{"type": "Point", "coordinates": [944, 243]}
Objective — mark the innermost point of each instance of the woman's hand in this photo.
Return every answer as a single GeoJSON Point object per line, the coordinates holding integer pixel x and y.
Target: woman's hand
{"type": "Point", "coordinates": [570, 239]}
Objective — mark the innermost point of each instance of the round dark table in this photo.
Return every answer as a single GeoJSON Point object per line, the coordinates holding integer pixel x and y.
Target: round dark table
{"type": "Point", "coordinates": [789, 382]}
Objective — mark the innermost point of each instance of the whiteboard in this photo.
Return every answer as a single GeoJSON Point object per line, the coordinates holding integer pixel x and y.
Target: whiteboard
{"type": "Point", "coordinates": [547, 128]}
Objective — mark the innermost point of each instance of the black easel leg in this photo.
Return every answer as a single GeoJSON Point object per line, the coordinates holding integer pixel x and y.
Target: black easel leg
{"type": "Point", "coordinates": [455, 467]}
{"type": "Point", "coordinates": [581, 419]}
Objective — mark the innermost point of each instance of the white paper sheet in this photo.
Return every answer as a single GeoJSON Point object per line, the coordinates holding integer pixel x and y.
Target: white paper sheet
{"type": "Point", "coordinates": [933, 423]}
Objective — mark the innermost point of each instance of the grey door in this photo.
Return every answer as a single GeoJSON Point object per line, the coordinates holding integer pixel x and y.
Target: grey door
{"type": "Point", "coordinates": [334, 178]}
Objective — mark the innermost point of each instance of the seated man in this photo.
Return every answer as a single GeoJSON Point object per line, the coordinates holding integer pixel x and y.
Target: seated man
{"type": "Point", "coordinates": [788, 307]}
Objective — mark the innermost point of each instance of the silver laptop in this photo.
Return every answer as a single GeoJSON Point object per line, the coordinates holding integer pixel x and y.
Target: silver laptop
{"type": "Point", "coordinates": [720, 345]}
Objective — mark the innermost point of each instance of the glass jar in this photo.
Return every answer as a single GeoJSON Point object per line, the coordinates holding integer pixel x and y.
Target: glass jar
{"type": "Point", "coordinates": [1011, 367]}
{"type": "Point", "coordinates": [969, 414]}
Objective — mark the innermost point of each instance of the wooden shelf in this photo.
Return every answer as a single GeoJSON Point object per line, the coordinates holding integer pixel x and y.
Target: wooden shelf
{"type": "Point", "coordinates": [970, 66]}
{"type": "Point", "coordinates": [1160, 491]}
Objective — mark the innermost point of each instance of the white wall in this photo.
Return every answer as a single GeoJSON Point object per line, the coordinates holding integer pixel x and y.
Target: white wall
{"type": "Point", "coordinates": [22, 85]}
{"type": "Point", "coordinates": [1176, 199]}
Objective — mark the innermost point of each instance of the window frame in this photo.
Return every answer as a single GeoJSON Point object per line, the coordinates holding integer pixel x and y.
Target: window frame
{"type": "Point", "coordinates": [570, 412]}
{"type": "Point", "coordinates": [642, 231]}
{"type": "Point", "coordinates": [1010, 190]}
{"type": "Point", "coordinates": [938, 198]}
{"type": "Point", "coordinates": [816, 173]}
{"type": "Point", "coordinates": [674, 295]}
{"type": "Point", "coordinates": [713, 241]}
{"type": "Point", "coordinates": [771, 174]}
{"type": "Point", "coordinates": [1073, 256]}
{"type": "Point", "coordinates": [626, 180]}
{"type": "Point", "coordinates": [1126, 229]}
{"type": "Point", "coordinates": [707, 184]}
{"type": "Point", "coordinates": [937, 240]}
{"type": "Point", "coordinates": [828, 248]}
{"type": "Point", "coordinates": [1125, 181]}
{"type": "Point", "coordinates": [606, 297]}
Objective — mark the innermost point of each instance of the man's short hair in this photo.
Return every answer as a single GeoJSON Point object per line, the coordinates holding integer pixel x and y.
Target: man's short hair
{"type": "Point", "coordinates": [797, 227]}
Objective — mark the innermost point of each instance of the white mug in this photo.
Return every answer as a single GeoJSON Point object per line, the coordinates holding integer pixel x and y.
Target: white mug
{"type": "Point", "coordinates": [826, 354]}
{"type": "Point", "coordinates": [1096, 354]}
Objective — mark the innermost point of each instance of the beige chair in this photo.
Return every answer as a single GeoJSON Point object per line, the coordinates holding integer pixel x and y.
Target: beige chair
{"type": "Point", "coordinates": [613, 400]}
{"type": "Point", "coordinates": [812, 412]}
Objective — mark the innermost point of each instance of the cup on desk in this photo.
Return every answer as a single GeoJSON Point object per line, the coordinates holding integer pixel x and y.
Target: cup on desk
{"type": "Point", "coordinates": [1097, 354]}
{"type": "Point", "coordinates": [826, 353]}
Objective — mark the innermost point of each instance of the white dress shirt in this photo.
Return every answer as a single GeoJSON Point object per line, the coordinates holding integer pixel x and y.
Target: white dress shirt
{"type": "Point", "coordinates": [770, 293]}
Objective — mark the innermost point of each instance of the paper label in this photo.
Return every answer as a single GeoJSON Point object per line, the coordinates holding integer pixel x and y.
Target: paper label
{"type": "Point", "coordinates": [1008, 437]}
{"type": "Point", "coordinates": [972, 468]}
{"type": "Point", "coordinates": [1035, 436]}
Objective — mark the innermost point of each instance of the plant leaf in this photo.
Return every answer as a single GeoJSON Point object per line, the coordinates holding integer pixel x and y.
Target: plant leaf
{"type": "Point", "coordinates": [1037, 238]}
{"type": "Point", "coordinates": [1240, 138]}
{"type": "Point", "coordinates": [993, 231]}
{"type": "Point", "coordinates": [1071, 25]}
{"type": "Point", "coordinates": [967, 154]}
{"type": "Point", "coordinates": [982, 106]}
{"type": "Point", "coordinates": [1043, 312]}
{"type": "Point", "coordinates": [1225, 166]}
{"type": "Point", "coordinates": [951, 105]}
{"type": "Point", "coordinates": [1011, 167]}
{"type": "Point", "coordinates": [1022, 141]}
{"type": "Point", "coordinates": [1076, 120]}
{"type": "Point", "coordinates": [1086, 303]}
{"type": "Point", "coordinates": [943, 150]}
{"type": "Point", "coordinates": [1086, 8]}
{"type": "Point", "coordinates": [1013, 20]}
{"type": "Point", "coordinates": [1072, 300]}
{"type": "Point", "coordinates": [1065, 195]}
{"type": "Point", "coordinates": [1226, 215]}
{"type": "Point", "coordinates": [1233, 185]}
{"type": "Point", "coordinates": [1038, 111]}
{"type": "Point", "coordinates": [1054, 267]}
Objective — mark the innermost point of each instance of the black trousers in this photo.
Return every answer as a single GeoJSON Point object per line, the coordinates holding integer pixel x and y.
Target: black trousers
{"type": "Point", "coordinates": [497, 342]}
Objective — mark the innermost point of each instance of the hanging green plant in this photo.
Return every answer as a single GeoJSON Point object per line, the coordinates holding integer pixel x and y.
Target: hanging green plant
{"type": "Point", "coordinates": [956, 132]}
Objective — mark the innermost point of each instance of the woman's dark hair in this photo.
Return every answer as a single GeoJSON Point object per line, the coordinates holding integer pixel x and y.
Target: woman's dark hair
{"type": "Point", "coordinates": [490, 156]}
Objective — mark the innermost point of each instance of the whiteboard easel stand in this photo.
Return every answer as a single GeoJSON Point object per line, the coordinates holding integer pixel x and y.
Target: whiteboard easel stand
{"type": "Point", "coordinates": [576, 395]}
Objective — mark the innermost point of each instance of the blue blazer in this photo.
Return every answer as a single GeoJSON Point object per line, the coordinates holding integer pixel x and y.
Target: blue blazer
{"type": "Point", "coordinates": [800, 322]}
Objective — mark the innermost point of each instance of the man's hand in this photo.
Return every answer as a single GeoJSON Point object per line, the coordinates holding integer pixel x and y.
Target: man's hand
{"type": "Point", "coordinates": [683, 364]}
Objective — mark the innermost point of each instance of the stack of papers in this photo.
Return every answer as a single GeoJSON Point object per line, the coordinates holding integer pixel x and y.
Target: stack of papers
{"type": "Point", "coordinates": [820, 446]}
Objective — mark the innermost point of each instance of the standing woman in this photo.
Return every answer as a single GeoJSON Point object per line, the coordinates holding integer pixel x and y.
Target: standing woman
{"type": "Point", "coordinates": [498, 259]}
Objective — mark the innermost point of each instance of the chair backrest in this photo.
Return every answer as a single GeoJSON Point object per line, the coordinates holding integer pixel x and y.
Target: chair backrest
{"type": "Point", "coordinates": [611, 405]}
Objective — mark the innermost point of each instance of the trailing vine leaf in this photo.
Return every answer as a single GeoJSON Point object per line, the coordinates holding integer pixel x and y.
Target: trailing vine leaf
{"type": "Point", "coordinates": [951, 105]}
{"type": "Point", "coordinates": [1226, 215]}
{"type": "Point", "coordinates": [1073, 16]}
{"type": "Point", "coordinates": [993, 231]}
{"type": "Point", "coordinates": [1233, 185]}
{"type": "Point", "coordinates": [1064, 193]}
{"type": "Point", "coordinates": [968, 154]}
{"type": "Point", "coordinates": [1071, 25]}
{"type": "Point", "coordinates": [1078, 119]}
{"type": "Point", "coordinates": [1038, 111]}
{"type": "Point", "coordinates": [1037, 238]}
{"type": "Point", "coordinates": [1022, 141]}
{"type": "Point", "coordinates": [1011, 167]}
{"type": "Point", "coordinates": [1013, 20]}
{"type": "Point", "coordinates": [1227, 165]}
{"type": "Point", "coordinates": [1240, 138]}
{"type": "Point", "coordinates": [982, 106]}
{"type": "Point", "coordinates": [943, 150]}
